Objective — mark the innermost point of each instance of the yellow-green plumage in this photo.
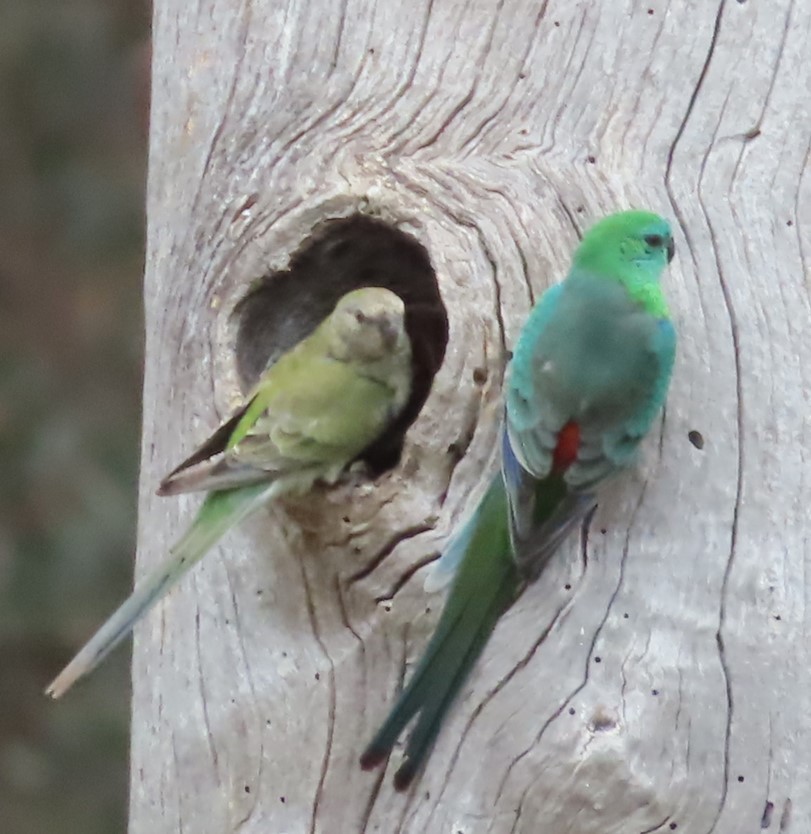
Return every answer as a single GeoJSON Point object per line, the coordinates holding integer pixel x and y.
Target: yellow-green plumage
{"type": "Point", "coordinates": [311, 414]}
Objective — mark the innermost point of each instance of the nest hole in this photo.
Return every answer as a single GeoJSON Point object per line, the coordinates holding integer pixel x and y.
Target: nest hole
{"type": "Point", "coordinates": [340, 256]}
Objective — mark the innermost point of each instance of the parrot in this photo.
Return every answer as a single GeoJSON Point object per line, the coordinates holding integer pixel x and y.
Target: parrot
{"type": "Point", "coordinates": [589, 374]}
{"type": "Point", "coordinates": [310, 416]}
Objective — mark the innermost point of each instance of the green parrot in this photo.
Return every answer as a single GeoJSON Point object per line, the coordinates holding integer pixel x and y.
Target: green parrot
{"type": "Point", "coordinates": [310, 416]}
{"type": "Point", "coordinates": [589, 375]}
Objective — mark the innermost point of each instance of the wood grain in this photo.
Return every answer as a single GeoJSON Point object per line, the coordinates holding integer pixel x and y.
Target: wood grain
{"type": "Point", "coordinates": [656, 678]}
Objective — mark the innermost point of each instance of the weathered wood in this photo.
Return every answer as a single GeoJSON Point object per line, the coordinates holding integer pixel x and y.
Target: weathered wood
{"type": "Point", "coordinates": [657, 676]}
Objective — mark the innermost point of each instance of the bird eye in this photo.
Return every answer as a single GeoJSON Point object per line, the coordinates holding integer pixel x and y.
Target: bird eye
{"type": "Point", "coordinates": [360, 318]}
{"type": "Point", "coordinates": [654, 241]}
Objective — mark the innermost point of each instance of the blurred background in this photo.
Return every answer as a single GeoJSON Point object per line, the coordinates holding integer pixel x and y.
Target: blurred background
{"type": "Point", "coordinates": [74, 87]}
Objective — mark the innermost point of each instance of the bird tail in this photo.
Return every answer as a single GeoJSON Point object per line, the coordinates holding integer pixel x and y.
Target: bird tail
{"type": "Point", "coordinates": [219, 512]}
{"type": "Point", "coordinates": [485, 585]}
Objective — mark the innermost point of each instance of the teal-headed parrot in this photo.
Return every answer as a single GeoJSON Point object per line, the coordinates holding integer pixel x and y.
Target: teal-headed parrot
{"type": "Point", "coordinates": [589, 375]}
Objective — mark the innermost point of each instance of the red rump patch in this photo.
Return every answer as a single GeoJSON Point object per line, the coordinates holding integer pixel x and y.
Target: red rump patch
{"type": "Point", "coordinates": [566, 451]}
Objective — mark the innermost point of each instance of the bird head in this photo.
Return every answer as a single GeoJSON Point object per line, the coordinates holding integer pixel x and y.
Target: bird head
{"type": "Point", "coordinates": [640, 240]}
{"type": "Point", "coordinates": [367, 324]}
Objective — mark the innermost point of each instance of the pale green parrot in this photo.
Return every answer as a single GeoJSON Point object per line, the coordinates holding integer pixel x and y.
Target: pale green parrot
{"type": "Point", "coordinates": [590, 373]}
{"type": "Point", "coordinates": [310, 416]}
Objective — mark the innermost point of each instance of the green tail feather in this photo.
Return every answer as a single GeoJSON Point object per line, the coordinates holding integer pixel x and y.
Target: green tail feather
{"type": "Point", "coordinates": [486, 584]}
{"type": "Point", "coordinates": [219, 512]}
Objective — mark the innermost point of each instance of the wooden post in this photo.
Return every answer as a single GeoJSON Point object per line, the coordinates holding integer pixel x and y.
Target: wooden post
{"type": "Point", "coordinates": [656, 678]}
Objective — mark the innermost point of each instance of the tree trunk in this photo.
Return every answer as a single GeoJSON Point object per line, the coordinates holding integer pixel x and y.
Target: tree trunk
{"type": "Point", "coordinates": [656, 677]}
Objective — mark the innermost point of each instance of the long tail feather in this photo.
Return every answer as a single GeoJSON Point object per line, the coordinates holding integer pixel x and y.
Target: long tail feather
{"type": "Point", "coordinates": [485, 585]}
{"type": "Point", "coordinates": [220, 511]}
{"type": "Point", "coordinates": [429, 723]}
{"type": "Point", "coordinates": [444, 569]}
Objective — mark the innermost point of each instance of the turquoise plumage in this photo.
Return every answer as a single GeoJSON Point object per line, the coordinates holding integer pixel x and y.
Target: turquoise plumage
{"type": "Point", "coordinates": [590, 373]}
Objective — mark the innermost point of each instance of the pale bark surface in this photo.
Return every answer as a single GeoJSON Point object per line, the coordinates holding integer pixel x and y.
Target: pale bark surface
{"type": "Point", "coordinates": [657, 677]}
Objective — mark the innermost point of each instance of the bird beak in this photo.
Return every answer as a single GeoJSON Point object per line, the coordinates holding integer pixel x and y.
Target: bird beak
{"type": "Point", "coordinates": [671, 250]}
{"type": "Point", "coordinates": [389, 331]}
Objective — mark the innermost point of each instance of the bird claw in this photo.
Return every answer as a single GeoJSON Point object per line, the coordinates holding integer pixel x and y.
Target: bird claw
{"type": "Point", "coordinates": [357, 474]}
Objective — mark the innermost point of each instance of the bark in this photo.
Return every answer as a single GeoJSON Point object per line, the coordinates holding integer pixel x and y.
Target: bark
{"type": "Point", "coordinates": [656, 677]}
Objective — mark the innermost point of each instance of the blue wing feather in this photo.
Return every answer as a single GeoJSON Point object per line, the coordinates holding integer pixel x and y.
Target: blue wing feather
{"type": "Point", "coordinates": [542, 512]}
{"type": "Point", "coordinates": [531, 439]}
